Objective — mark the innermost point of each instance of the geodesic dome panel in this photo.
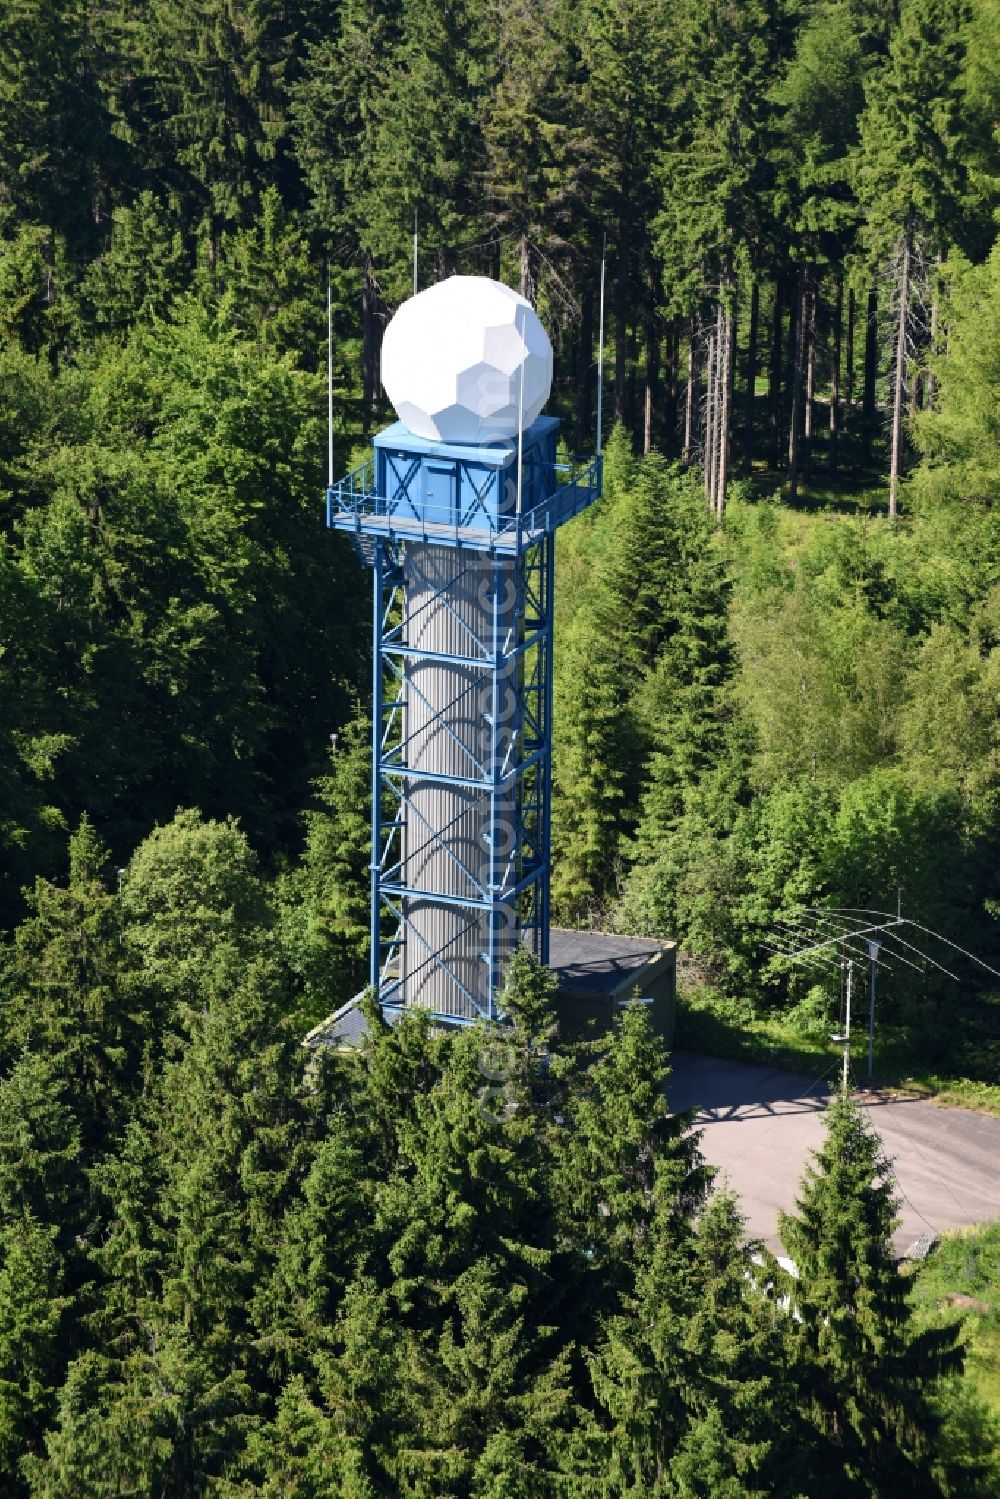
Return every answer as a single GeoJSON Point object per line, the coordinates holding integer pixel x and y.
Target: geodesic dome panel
{"type": "Point", "coordinates": [454, 358]}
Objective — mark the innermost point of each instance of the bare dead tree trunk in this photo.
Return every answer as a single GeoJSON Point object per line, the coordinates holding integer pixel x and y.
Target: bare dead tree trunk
{"type": "Point", "coordinates": [585, 367]}
{"type": "Point", "coordinates": [838, 318]}
{"type": "Point", "coordinates": [774, 380]}
{"type": "Point", "coordinates": [652, 362]}
{"type": "Point", "coordinates": [368, 296]}
{"type": "Point", "coordinates": [525, 270]}
{"type": "Point", "coordinates": [849, 355]}
{"type": "Point", "coordinates": [670, 403]}
{"type": "Point", "coordinates": [378, 329]}
{"type": "Point", "coordinates": [798, 382]}
{"type": "Point", "coordinates": [727, 371]}
{"type": "Point", "coordinates": [748, 413]}
{"type": "Point", "coordinates": [689, 395]}
{"type": "Point", "coordinates": [899, 378]}
{"type": "Point", "coordinates": [621, 299]}
{"type": "Point", "coordinates": [710, 401]}
{"type": "Point", "coordinates": [930, 384]}
{"type": "Point", "coordinates": [871, 368]}
{"type": "Point", "coordinates": [809, 307]}
{"type": "Point", "coordinates": [631, 378]}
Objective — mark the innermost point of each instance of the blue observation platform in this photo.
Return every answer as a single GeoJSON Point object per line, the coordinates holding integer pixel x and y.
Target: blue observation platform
{"type": "Point", "coordinates": [462, 496]}
{"type": "Point", "coordinates": [462, 553]}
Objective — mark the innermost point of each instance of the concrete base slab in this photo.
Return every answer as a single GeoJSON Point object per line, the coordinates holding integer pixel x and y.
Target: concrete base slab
{"type": "Point", "coordinates": [758, 1125]}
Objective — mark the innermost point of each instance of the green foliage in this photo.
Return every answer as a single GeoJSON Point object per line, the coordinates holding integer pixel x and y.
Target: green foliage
{"type": "Point", "coordinates": [324, 902]}
{"type": "Point", "coordinates": [24, 277]}
{"type": "Point", "coordinates": [869, 1372]}
{"type": "Point", "coordinates": [142, 269]}
{"type": "Point", "coordinates": [481, 1259]}
{"type": "Point", "coordinates": [191, 893]}
{"type": "Point", "coordinates": [819, 98]}
{"type": "Point", "coordinates": [72, 994]}
{"type": "Point", "coordinates": [40, 1147]}
{"type": "Point", "coordinates": [714, 171]}
{"type": "Point", "coordinates": [960, 437]}
{"type": "Point", "coordinates": [957, 1284]}
{"type": "Point", "coordinates": [913, 157]}
{"type": "Point", "coordinates": [31, 1314]}
{"type": "Point", "coordinates": [646, 649]}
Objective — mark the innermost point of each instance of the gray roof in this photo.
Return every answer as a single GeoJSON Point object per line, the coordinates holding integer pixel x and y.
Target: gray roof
{"type": "Point", "coordinates": [346, 1027]}
{"type": "Point", "coordinates": [599, 963]}
{"type": "Point", "coordinates": [585, 963]}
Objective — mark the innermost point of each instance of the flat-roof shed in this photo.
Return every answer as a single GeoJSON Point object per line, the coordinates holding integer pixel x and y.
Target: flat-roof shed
{"type": "Point", "coordinates": [598, 973]}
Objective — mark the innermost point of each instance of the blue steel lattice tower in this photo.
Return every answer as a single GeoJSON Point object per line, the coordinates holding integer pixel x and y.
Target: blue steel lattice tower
{"type": "Point", "coordinates": [460, 537]}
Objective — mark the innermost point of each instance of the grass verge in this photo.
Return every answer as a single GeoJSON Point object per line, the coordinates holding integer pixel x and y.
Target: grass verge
{"type": "Point", "coordinates": [960, 1282]}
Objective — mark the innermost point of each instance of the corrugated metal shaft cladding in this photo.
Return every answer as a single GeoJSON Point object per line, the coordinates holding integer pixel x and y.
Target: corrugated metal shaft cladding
{"type": "Point", "coordinates": [458, 841]}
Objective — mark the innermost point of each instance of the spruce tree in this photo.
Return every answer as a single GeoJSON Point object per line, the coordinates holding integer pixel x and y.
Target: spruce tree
{"type": "Point", "coordinates": [32, 1322]}
{"type": "Point", "coordinates": [626, 54]}
{"type": "Point", "coordinates": [868, 1374]}
{"type": "Point", "coordinates": [744, 1435]}
{"type": "Point", "coordinates": [913, 175]}
{"type": "Point", "coordinates": [324, 901]}
{"type": "Point", "coordinates": [593, 750]}
{"type": "Point", "coordinates": [627, 1173]}
{"type": "Point", "coordinates": [536, 172]}
{"type": "Point", "coordinates": [427, 148]}
{"type": "Point", "coordinates": [141, 270]}
{"type": "Point", "coordinates": [41, 1171]}
{"type": "Point", "coordinates": [325, 1236]}
{"type": "Point", "coordinates": [960, 439]}
{"type": "Point", "coordinates": [74, 994]}
{"type": "Point", "coordinates": [712, 217]}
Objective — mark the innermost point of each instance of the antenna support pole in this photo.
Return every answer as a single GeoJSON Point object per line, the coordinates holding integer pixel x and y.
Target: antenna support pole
{"type": "Point", "coordinates": [847, 1022]}
{"type": "Point", "coordinates": [520, 420]}
{"type": "Point", "coordinates": [329, 380]}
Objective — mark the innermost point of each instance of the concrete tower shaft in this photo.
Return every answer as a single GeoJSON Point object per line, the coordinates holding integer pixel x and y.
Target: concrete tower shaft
{"type": "Point", "coordinates": [460, 842]}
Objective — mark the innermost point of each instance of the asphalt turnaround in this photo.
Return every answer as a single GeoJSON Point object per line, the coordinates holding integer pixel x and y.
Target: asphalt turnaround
{"type": "Point", "coordinates": [759, 1125]}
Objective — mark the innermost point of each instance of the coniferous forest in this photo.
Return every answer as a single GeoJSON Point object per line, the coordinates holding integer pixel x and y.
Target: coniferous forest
{"type": "Point", "coordinates": [483, 1264]}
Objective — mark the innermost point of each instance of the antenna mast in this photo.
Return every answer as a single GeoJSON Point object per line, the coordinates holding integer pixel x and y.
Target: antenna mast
{"type": "Point", "coordinates": [329, 380]}
{"type": "Point", "coordinates": [520, 418]}
{"type": "Point", "coordinates": [845, 1036]}
{"type": "Point", "coordinates": [808, 937]}
{"type": "Point", "coordinates": [416, 243]}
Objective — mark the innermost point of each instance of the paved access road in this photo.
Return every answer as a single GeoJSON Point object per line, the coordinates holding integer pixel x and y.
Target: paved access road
{"type": "Point", "coordinates": [758, 1125]}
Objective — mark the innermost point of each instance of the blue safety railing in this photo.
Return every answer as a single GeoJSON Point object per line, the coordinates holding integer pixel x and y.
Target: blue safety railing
{"type": "Point", "coordinates": [353, 504]}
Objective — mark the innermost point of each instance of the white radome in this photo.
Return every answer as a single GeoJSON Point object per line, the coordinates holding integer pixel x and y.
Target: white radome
{"type": "Point", "coordinates": [454, 357]}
